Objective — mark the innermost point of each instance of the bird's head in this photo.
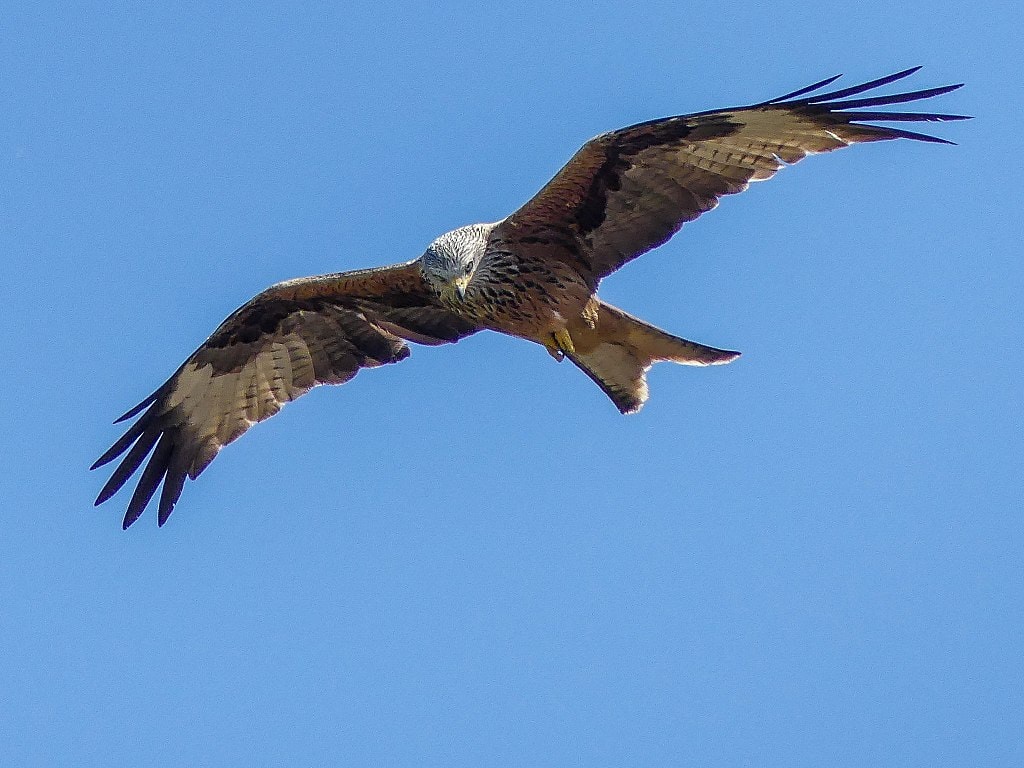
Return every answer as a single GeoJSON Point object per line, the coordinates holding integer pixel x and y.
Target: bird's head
{"type": "Point", "coordinates": [450, 261]}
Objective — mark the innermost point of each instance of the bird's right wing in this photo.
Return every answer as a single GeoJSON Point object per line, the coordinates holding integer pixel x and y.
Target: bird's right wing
{"type": "Point", "coordinates": [288, 339]}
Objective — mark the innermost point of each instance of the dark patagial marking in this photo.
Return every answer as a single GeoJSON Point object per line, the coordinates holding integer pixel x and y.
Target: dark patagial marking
{"type": "Point", "coordinates": [622, 147]}
{"type": "Point", "coordinates": [561, 239]}
{"type": "Point", "coordinates": [252, 322]}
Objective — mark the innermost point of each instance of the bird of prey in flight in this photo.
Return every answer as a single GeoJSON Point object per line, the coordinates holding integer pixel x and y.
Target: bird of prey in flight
{"type": "Point", "coordinates": [533, 275]}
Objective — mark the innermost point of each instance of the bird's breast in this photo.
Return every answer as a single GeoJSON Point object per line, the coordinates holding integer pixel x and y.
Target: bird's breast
{"type": "Point", "coordinates": [525, 298]}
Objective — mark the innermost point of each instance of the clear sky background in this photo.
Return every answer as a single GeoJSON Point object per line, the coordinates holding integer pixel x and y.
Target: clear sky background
{"type": "Point", "coordinates": [811, 557]}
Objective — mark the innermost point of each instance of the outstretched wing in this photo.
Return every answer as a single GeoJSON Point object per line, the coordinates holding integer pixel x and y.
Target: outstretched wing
{"type": "Point", "coordinates": [628, 191]}
{"type": "Point", "coordinates": [288, 339]}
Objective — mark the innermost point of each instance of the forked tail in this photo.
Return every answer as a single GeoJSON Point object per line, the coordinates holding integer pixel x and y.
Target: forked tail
{"type": "Point", "coordinates": [618, 351]}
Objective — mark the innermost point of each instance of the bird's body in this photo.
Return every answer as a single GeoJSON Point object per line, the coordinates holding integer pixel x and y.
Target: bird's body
{"type": "Point", "coordinates": [533, 275]}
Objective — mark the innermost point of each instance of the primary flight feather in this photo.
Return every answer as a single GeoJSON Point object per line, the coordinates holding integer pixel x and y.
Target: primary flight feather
{"type": "Point", "coordinates": [533, 275]}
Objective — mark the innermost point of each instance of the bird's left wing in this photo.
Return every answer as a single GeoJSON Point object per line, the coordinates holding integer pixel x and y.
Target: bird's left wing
{"type": "Point", "coordinates": [288, 339]}
{"type": "Point", "coordinates": [630, 190]}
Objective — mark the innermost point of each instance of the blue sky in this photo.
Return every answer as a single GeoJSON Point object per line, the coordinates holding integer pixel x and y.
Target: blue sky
{"type": "Point", "coordinates": [809, 557]}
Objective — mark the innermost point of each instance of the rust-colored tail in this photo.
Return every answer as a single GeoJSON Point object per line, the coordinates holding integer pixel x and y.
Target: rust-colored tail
{"type": "Point", "coordinates": [618, 351]}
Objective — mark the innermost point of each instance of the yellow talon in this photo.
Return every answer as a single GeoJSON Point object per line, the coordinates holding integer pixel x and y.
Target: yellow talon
{"type": "Point", "coordinates": [559, 345]}
{"type": "Point", "coordinates": [563, 341]}
{"type": "Point", "coordinates": [553, 350]}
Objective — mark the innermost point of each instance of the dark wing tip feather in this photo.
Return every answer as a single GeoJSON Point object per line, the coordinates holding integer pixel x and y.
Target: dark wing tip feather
{"type": "Point", "coordinates": [910, 117]}
{"type": "Point", "coordinates": [174, 482]}
{"type": "Point", "coordinates": [899, 133]}
{"type": "Point", "coordinates": [835, 105]}
{"type": "Point", "coordinates": [853, 90]}
{"type": "Point", "coordinates": [896, 98]}
{"type": "Point", "coordinates": [152, 475]}
{"type": "Point", "coordinates": [802, 91]}
{"type": "Point", "coordinates": [111, 453]}
{"type": "Point", "coordinates": [169, 498]}
{"type": "Point", "coordinates": [138, 408]}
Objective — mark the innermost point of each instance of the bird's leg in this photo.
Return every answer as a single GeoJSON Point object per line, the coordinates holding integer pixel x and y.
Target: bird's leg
{"type": "Point", "coordinates": [560, 345]}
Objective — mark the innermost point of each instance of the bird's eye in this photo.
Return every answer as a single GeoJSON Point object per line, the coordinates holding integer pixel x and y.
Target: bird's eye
{"type": "Point", "coordinates": [469, 268]}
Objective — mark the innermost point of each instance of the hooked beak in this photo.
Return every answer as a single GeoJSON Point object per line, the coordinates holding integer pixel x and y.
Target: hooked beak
{"type": "Point", "coordinates": [459, 286]}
